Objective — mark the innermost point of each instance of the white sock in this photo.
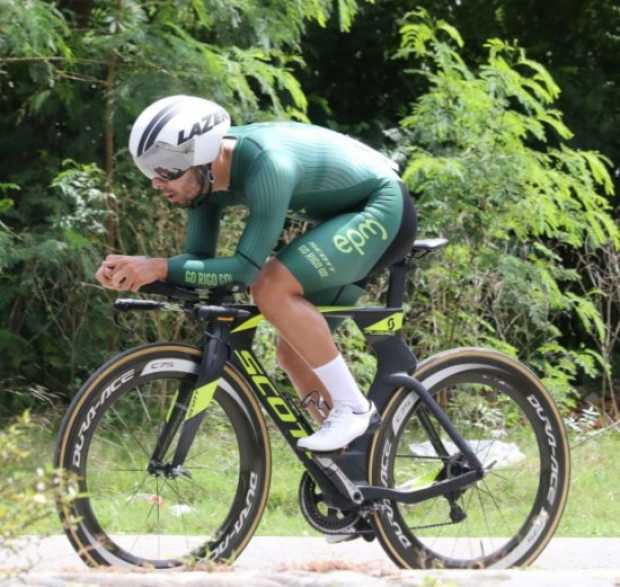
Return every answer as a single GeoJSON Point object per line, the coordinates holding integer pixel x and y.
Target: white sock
{"type": "Point", "coordinates": [337, 378]}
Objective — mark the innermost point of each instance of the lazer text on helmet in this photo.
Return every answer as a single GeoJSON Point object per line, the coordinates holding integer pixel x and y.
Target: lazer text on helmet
{"type": "Point", "coordinates": [206, 123]}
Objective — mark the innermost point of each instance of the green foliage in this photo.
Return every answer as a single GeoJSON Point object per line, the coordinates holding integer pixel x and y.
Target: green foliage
{"type": "Point", "coordinates": [493, 173]}
{"type": "Point", "coordinates": [26, 493]}
{"type": "Point", "coordinates": [43, 330]}
{"type": "Point", "coordinates": [81, 187]}
{"type": "Point", "coordinates": [239, 53]}
{"type": "Point", "coordinates": [32, 29]}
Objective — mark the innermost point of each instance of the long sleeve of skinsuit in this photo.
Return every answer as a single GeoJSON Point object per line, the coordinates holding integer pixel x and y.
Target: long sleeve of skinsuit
{"type": "Point", "coordinates": [267, 188]}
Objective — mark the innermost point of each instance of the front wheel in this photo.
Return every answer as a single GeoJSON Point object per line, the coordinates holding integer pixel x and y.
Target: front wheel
{"type": "Point", "coordinates": [126, 512]}
{"type": "Point", "coordinates": [512, 424]}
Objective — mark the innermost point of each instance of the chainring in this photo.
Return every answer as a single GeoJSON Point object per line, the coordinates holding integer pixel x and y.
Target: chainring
{"type": "Point", "coordinates": [318, 514]}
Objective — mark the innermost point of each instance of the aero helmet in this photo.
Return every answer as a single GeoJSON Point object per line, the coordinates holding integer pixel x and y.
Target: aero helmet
{"type": "Point", "coordinates": [176, 133]}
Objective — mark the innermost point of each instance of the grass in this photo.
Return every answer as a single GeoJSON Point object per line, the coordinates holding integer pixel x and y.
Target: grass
{"type": "Point", "coordinates": [593, 508]}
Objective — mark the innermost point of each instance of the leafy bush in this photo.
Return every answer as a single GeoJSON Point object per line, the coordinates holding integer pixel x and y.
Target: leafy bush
{"type": "Point", "coordinates": [27, 491]}
{"type": "Point", "coordinates": [489, 161]}
{"type": "Point", "coordinates": [44, 338]}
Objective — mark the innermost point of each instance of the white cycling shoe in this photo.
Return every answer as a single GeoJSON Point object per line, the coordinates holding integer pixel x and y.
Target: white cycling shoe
{"type": "Point", "coordinates": [341, 426]}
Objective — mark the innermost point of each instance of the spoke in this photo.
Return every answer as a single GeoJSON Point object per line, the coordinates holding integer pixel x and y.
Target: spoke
{"type": "Point", "coordinates": [124, 449]}
{"type": "Point", "coordinates": [432, 505]}
{"type": "Point", "coordinates": [196, 485]}
{"type": "Point", "coordinates": [488, 492]}
{"type": "Point", "coordinates": [183, 521]}
{"type": "Point", "coordinates": [505, 525]}
{"type": "Point", "coordinates": [122, 421]}
{"type": "Point", "coordinates": [158, 520]}
{"type": "Point", "coordinates": [427, 527]}
{"type": "Point", "coordinates": [501, 476]}
{"type": "Point", "coordinates": [512, 479]}
{"type": "Point", "coordinates": [106, 465]}
{"type": "Point", "coordinates": [158, 498]}
{"type": "Point", "coordinates": [174, 488]}
{"type": "Point", "coordinates": [114, 492]}
{"type": "Point", "coordinates": [139, 487]}
{"type": "Point", "coordinates": [205, 451]}
{"type": "Point", "coordinates": [484, 514]}
{"type": "Point", "coordinates": [146, 410]}
{"type": "Point", "coordinates": [127, 470]}
{"type": "Point", "coordinates": [465, 508]}
{"type": "Point", "coordinates": [135, 541]}
{"type": "Point", "coordinates": [486, 452]}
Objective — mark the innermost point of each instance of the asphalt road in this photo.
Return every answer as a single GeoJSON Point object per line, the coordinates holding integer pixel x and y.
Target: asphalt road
{"type": "Point", "coordinates": [277, 553]}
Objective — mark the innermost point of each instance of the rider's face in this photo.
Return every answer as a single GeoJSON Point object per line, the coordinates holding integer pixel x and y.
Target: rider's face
{"type": "Point", "coordinates": [181, 191]}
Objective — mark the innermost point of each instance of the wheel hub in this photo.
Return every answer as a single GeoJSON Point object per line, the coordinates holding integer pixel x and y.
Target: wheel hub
{"type": "Point", "coordinates": [167, 470]}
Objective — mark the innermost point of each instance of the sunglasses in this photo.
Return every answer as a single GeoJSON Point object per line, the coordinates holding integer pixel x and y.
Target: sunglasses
{"type": "Point", "coordinates": [168, 174]}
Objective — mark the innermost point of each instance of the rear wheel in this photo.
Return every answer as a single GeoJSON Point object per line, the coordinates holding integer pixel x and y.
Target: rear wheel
{"type": "Point", "coordinates": [167, 518]}
{"type": "Point", "coordinates": [508, 418]}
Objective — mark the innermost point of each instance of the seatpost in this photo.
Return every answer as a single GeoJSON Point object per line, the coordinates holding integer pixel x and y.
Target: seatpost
{"type": "Point", "coordinates": [398, 278]}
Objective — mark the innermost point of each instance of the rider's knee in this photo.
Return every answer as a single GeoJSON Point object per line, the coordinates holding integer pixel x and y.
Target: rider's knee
{"type": "Point", "coordinates": [271, 287]}
{"type": "Point", "coordinates": [260, 291]}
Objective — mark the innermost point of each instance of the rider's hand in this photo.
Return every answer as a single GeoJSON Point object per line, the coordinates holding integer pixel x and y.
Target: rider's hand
{"type": "Point", "coordinates": [105, 272]}
{"type": "Point", "coordinates": [123, 272]}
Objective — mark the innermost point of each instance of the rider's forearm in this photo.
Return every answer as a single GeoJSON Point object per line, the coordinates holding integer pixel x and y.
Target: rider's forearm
{"type": "Point", "coordinates": [195, 271]}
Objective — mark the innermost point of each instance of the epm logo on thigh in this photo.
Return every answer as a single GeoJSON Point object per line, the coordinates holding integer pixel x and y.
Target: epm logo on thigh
{"type": "Point", "coordinates": [354, 238]}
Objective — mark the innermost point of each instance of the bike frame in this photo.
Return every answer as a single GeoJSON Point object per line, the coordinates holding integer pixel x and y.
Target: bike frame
{"type": "Point", "coordinates": [229, 331]}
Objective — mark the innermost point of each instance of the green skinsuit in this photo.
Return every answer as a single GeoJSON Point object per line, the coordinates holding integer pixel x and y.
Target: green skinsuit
{"type": "Point", "coordinates": [278, 168]}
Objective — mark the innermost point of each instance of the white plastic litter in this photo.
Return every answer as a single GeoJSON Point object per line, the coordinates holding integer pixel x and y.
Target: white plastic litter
{"type": "Point", "coordinates": [179, 510]}
{"type": "Point", "coordinates": [492, 453]}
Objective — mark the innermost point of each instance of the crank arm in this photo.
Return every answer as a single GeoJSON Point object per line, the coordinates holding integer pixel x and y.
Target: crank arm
{"type": "Point", "coordinates": [339, 479]}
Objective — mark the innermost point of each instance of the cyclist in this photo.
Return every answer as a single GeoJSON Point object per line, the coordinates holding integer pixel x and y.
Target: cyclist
{"type": "Point", "coordinates": [366, 221]}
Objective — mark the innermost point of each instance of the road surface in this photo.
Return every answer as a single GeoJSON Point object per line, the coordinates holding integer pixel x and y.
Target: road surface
{"type": "Point", "coordinates": [278, 552]}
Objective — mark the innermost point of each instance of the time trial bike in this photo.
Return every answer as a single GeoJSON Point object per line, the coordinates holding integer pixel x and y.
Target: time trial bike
{"type": "Point", "coordinates": [169, 447]}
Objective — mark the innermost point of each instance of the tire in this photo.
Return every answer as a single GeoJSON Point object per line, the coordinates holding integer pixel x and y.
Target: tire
{"type": "Point", "coordinates": [124, 515]}
{"type": "Point", "coordinates": [513, 425]}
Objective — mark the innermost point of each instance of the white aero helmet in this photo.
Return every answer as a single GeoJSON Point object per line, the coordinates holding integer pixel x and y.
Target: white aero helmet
{"type": "Point", "coordinates": [176, 133]}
